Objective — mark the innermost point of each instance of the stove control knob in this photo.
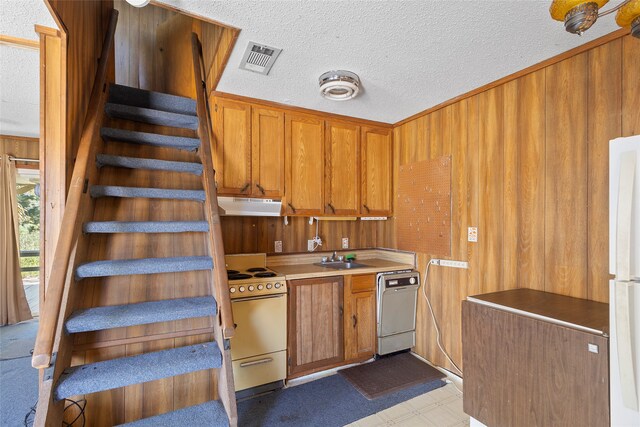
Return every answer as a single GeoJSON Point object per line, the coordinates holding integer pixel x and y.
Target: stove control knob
{"type": "Point", "coordinates": [277, 285]}
{"type": "Point", "coordinates": [412, 280]}
{"type": "Point", "coordinates": [241, 288]}
{"type": "Point", "coordinates": [251, 288]}
{"type": "Point", "coordinates": [269, 285]}
{"type": "Point", "coordinates": [260, 287]}
{"type": "Point", "coordinates": [232, 290]}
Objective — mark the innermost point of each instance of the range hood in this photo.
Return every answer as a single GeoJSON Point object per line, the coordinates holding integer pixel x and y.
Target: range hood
{"type": "Point", "coordinates": [243, 206]}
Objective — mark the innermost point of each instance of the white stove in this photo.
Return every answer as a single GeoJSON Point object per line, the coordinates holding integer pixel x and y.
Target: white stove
{"type": "Point", "coordinates": [259, 304]}
{"type": "Point", "coordinates": [249, 276]}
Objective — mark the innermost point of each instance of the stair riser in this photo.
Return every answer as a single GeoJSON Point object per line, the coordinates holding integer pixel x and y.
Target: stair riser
{"type": "Point", "coordinates": [119, 94]}
{"type": "Point", "coordinates": [153, 117]}
{"type": "Point", "coordinates": [145, 138]}
{"type": "Point", "coordinates": [148, 164]}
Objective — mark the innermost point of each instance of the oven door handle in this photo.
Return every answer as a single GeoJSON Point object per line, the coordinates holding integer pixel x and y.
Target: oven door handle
{"type": "Point", "coordinates": [256, 362]}
{"type": "Point", "coordinates": [258, 297]}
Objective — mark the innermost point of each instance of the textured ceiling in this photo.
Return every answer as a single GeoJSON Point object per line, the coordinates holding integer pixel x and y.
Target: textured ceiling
{"type": "Point", "coordinates": [19, 67]}
{"type": "Point", "coordinates": [410, 55]}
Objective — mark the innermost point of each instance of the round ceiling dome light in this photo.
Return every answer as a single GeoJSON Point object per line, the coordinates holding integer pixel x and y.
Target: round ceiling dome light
{"type": "Point", "coordinates": [138, 3]}
{"type": "Point", "coordinates": [339, 85]}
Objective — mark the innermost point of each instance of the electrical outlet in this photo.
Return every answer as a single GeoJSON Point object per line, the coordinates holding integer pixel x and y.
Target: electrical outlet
{"type": "Point", "coordinates": [345, 243]}
{"type": "Point", "coordinates": [451, 263]}
{"type": "Point", "coordinates": [278, 246]}
{"type": "Point", "coordinates": [310, 245]}
{"type": "Point", "coordinates": [472, 234]}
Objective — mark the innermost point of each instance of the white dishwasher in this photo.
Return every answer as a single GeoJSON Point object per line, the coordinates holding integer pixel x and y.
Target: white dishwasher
{"type": "Point", "coordinates": [397, 295]}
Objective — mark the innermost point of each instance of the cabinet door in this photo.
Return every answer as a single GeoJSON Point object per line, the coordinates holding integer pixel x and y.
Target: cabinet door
{"type": "Point", "coordinates": [360, 317]}
{"type": "Point", "coordinates": [342, 163]}
{"type": "Point", "coordinates": [315, 324]}
{"type": "Point", "coordinates": [232, 147]}
{"type": "Point", "coordinates": [267, 133]}
{"type": "Point", "coordinates": [304, 165]}
{"type": "Point", "coordinates": [376, 172]}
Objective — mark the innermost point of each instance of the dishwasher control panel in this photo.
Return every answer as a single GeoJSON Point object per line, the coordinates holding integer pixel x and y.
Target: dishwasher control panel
{"type": "Point", "coordinates": [400, 279]}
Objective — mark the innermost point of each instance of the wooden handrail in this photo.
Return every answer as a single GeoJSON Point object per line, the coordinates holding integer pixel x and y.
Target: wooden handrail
{"type": "Point", "coordinates": [211, 204]}
{"type": "Point", "coordinates": [76, 203]}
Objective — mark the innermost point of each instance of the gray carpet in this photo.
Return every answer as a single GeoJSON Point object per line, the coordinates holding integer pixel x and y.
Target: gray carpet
{"type": "Point", "coordinates": [148, 164]}
{"type": "Point", "coordinates": [327, 402]}
{"type": "Point", "coordinates": [206, 414]}
{"type": "Point", "coordinates": [114, 373]}
{"type": "Point", "coordinates": [146, 227]}
{"type": "Point", "coordinates": [154, 117]}
{"type": "Point", "coordinates": [119, 316]}
{"type": "Point", "coordinates": [149, 193]}
{"type": "Point", "coordinates": [124, 267]}
{"type": "Point", "coordinates": [146, 138]}
{"type": "Point", "coordinates": [18, 340]}
{"type": "Point", "coordinates": [127, 95]}
{"type": "Point", "coordinates": [18, 390]}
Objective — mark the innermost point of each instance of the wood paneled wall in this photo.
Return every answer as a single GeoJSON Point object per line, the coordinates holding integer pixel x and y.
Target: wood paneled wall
{"type": "Point", "coordinates": [84, 24]}
{"type": "Point", "coordinates": [530, 170]}
{"type": "Point", "coordinates": [254, 234]}
{"type": "Point", "coordinates": [153, 44]}
{"type": "Point", "coordinates": [20, 146]}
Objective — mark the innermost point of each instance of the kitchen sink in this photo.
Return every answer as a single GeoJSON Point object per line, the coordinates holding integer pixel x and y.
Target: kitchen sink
{"type": "Point", "coordinates": [340, 265]}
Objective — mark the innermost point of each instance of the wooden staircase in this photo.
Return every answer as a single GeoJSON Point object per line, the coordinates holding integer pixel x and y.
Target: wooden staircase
{"type": "Point", "coordinates": [139, 265]}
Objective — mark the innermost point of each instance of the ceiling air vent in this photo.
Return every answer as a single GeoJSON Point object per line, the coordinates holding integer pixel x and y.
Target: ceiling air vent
{"type": "Point", "coordinates": [259, 58]}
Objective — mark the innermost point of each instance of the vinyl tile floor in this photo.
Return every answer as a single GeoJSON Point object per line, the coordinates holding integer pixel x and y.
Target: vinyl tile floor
{"type": "Point", "coordinates": [438, 408]}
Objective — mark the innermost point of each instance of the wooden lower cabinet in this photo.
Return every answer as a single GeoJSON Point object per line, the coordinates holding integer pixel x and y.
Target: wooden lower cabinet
{"type": "Point", "coordinates": [360, 317]}
{"type": "Point", "coordinates": [521, 371]}
{"type": "Point", "coordinates": [315, 336]}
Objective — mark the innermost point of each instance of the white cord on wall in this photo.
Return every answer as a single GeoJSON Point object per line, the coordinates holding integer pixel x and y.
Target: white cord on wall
{"type": "Point", "coordinates": [433, 316]}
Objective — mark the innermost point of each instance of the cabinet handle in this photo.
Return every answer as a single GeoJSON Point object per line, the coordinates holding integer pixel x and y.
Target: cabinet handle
{"type": "Point", "coordinates": [355, 320]}
{"type": "Point", "coordinates": [332, 208]}
{"type": "Point", "coordinates": [256, 362]}
{"type": "Point", "coordinates": [367, 208]}
{"type": "Point", "coordinates": [341, 311]}
{"type": "Point", "coordinates": [245, 188]}
{"type": "Point", "coordinates": [292, 208]}
{"type": "Point", "coordinates": [260, 188]}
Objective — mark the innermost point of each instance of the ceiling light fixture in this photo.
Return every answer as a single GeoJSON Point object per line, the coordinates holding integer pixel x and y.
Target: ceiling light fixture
{"type": "Point", "coordinates": [580, 15]}
{"type": "Point", "coordinates": [138, 3]}
{"type": "Point", "coordinates": [339, 85]}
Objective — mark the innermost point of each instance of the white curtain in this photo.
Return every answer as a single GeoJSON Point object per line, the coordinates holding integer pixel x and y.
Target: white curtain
{"type": "Point", "coordinates": [13, 301]}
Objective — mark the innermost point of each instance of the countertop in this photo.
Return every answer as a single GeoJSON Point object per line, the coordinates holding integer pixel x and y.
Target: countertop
{"type": "Point", "coordinates": [307, 271]}
{"type": "Point", "coordinates": [572, 312]}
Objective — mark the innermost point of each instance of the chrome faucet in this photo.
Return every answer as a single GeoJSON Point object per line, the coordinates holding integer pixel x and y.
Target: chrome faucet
{"type": "Point", "coordinates": [334, 256]}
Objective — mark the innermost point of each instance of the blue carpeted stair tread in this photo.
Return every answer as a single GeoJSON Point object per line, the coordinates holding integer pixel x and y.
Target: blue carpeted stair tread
{"type": "Point", "coordinates": [154, 117]}
{"type": "Point", "coordinates": [151, 164]}
{"type": "Point", "coordinates": [144, 192]}
{"type": "Point", "coordinates": [125, 267]}
{"type": "Point", "coordinates": [119, 316]}
{"type": "Point", "coordinates": [153, 139]}
{"type": "Point", "coordinates": [119, 94]}
{"type": "Point", "coordinates": [110, 374]}
{"type": "Point", "coordinates": [209, 413]}
{"type": "Point", "coordinates": [146, 227]}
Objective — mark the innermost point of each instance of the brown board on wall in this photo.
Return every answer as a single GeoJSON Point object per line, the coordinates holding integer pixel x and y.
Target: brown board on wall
{"type": "Point", "coordinates": [423, 206]}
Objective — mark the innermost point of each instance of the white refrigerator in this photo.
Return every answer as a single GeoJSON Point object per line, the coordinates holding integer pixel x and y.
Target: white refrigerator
{"type": "Point", "coordinates": [624, 264]}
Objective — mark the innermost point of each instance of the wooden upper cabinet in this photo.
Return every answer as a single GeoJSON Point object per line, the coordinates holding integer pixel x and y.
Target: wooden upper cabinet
{"type": "Point", "coordinates": [232, 146]}
{"type": "Point", "coordinates": [377, 173]}
{"type": "Point", "coordinates": [267, 153]}
{"type": "Point", "coordinates": [304, 165]}
{"type": "Point", "coordinates": [342, 164]}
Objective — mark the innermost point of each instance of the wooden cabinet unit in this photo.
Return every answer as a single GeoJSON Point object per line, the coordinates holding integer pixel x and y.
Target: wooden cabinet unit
{"type": "Point", "coordinates": [360, 317]}
{"type": "Point", "coordinates": [315, 337]}
{"type": "Point", "coordinates": [376, 165]}
{"type": "Point", "coordinates": [232, 147]}
{"type": "Point", "coordinates": [267, 136]}
{"type": "Point", "coordinates": [304, 165]}
{"type": "Point", "coordinates": [342, 163]}
{"type": "Point", "coordinates": [533, 358]}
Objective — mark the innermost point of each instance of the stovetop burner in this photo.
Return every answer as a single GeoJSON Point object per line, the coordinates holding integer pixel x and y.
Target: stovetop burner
{"type": "Point", "coordinates": [232, 272]}
{"type": "Point", "coordinates": [238, 276]}
{"type": "Point", "coordinates": [256, 269]}
{"type": "Point", "coordinates": [265, 274]}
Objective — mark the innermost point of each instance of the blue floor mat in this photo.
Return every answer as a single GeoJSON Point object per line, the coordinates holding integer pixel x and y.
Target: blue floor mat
{"type": "Point", "coordinates": [330, 401]}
